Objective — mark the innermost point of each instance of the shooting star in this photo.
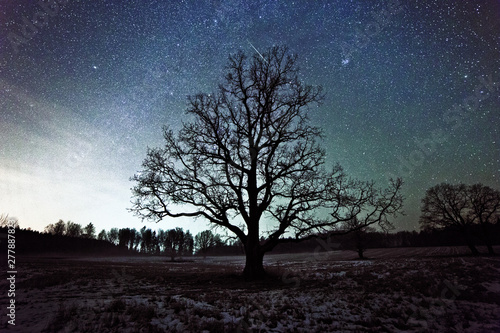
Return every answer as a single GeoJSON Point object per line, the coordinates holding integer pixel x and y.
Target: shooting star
{"type": "Point", "coordinates": [257, 51]}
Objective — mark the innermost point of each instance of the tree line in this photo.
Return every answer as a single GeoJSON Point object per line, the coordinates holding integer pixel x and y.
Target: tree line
{"type": "Point", "coordinates": [173, 243]}
{"type": "Point", "coordinates": [61, 237]}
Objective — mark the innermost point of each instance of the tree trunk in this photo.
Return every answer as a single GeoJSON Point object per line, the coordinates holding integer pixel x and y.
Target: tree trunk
{"type": "Point", "coordinates": [360, 253]}
{"type": "Point", "coordinates": [471, 246]}
{"type": "Point", "coordinates": [254, 267]}
{"type": "Point", "coordinates": [359, 243]}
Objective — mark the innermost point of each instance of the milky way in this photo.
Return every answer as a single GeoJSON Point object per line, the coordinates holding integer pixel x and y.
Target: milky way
{"type": "Point", "coordinates": [412, 90]}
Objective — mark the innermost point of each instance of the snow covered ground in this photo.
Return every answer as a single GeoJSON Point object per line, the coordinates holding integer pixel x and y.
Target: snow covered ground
{"type": "Point", "coordinates": [396, 290]}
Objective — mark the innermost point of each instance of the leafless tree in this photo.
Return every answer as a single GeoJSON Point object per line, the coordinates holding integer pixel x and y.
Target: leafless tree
{"type": "Point", "coordinates": [461, 206]}
{"type": "Point", "coordinates": [359, 237]}
{"type": "Point", "coordinates": [248, 154]}
{"type": "Point", "coordinates": [6, 221]}
{"type": "Point", "coordinates": [174, 242]}
{"type": "Point", "coordinates": [124, 237]}
{"type": "Point", "coordinates": [484, 209]}
{"type": "Point", "coordinates": [188, 243]}
{"type": "Point", "coordinates": [204, 240]}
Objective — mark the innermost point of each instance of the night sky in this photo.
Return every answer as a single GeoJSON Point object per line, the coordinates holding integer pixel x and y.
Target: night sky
{"type": "Point", "coordinates": [411, 91]}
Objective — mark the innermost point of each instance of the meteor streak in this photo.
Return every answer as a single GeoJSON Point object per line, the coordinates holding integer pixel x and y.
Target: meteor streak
{"type": "Point", "coordinates": [257, 51]}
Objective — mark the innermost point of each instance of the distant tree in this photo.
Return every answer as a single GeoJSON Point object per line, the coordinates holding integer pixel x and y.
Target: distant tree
{"type": "Point", "coordinates": [137, 239]}
{"type": "Point", "coordinates": [155, 244]}
{"type": "Point", "coordinates": [161, 236]}
{"type": "Point", "coordinates": [147, 240]}
{"type": "Point", "coordinates": [123, 237]}
{"type": "Point", "coordinates": [102, 235]}
{"type": "Point", "coordinates": [133, 234]}
{"type": "Point", "coordinates": [113, 235]}
{"type": "Point", "coordinates": [358, 235]}
{"type": "Point", "coordinates": [73, 229]}
{"type": "Point", "coordinates": [188, 243]}
{"type": "Point", "coordinates": [49, 229]}
{"type": "Point", "coordinates": [236, 242]}
{"type": "Point", "coordinates": [250, 151]}
{"type": "Point", "coordinates": [89, 231]}
{"type": "Point", "coordinates": [174, 242]}
{"type": "Point", "coordinates": [58, 228]}
{"type": "Point", "coordinates": [204, 241]}
{"type": "Point", "coordinates": [219, 242]}
{"type": "Point", "coordinates": [484, 209]}
{"type": "Point", "coordinates": [460, 206]}
{"type": "Point", "coordinates": [6, 221]}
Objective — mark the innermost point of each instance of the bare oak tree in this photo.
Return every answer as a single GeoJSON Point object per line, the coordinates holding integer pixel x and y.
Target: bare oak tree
{"type": "Point", "coordinates": [461, 206]}
{"type": "Point", "coordinates": [358, 239]}
{"type": "Point", "coordinates": [485, 209]}
{"type": "Point", "coordinates": [248, 154]}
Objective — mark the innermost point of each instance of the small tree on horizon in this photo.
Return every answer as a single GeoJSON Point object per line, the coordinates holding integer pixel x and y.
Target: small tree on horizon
{"type": "Point", "coordinates": [188, 243]}
{"type": "Point", "coordinates": [113, 236]}
{"type": "Point", "coordinates": [59, 228]}
{"type": "Point", "coordinates": [133, 235]}
{"type": "Point", "coordinates": [124, 237]}
{"type": "Point", "coordinates": [358, 237]}
{"type": "Point", "coordinates": [174, 242]}
{"type": "Point", "coordinates": [146, 239]}
{"type": "Point", "coordinates": [204, 240]}
{"type": "Point", "coordinates": [89, 231]}
{"type": "Point", "coordinates": [102, 235]}
{"type": "Point", "coordinates": [247, 153]}
{"type": "Point", "coordinates": [73, 229]}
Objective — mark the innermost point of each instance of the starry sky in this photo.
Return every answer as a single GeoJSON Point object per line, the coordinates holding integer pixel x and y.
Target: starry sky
{"type": "Point", "coordinates": [412, 90]}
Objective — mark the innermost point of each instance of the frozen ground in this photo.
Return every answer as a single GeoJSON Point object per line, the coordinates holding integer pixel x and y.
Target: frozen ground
{"type": "Point", "coordinates": [396, 290]}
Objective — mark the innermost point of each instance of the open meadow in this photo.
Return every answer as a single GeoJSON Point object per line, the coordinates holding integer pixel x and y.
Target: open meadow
{"type": "Point", "coordinates": [404, 289]}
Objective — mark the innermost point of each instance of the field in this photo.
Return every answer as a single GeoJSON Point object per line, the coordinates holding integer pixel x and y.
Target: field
{"type": "Point", "coordinates": [406, 289]}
